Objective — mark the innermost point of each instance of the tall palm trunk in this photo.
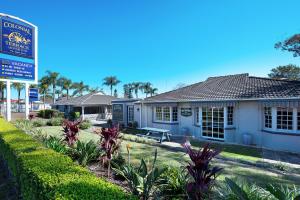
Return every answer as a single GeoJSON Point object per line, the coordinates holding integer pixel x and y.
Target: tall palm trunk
{"type": "Point", "coordinates": [19, 97]}
{"type": "Point", "coordinates": [67, 93]}
{"type": "Point", "coordinates": [44, 99]}
{"type": "Point", "coordinates": [111, 88]}
{"type": "Point", "coordinates": [53, 94]}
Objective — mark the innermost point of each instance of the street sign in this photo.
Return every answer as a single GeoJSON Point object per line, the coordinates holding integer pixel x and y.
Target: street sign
{"type": "Point", "coordinates": [33, 94]}
{"type": "Point", "coordinates": [16, 69]}
{"type": "Point", "coordinates": [17, 38]}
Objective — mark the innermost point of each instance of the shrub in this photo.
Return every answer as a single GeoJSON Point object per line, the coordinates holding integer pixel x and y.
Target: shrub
{"type": "Point", "coordinates": [142, 180]}
{"type": "Point", "coordinates": [118, 161]}
{"type": "Point", "coordinates": [174, 187]}
{"type": "Point", "coordinates": [85, 124]}
{"type": "Point", "coordinates": [110, 143]}
{"type": "Point", "coordinates": [203, 175]}
{"type": "Point", "coordinates": [135, 124]}
{"type": "Point", "coordinates": [38, 123]}
{"type": "Point", "coordinates": [74, 115]}
{"type": "Point", "coordinates": [55, 122]}
{"type": "Point", "coordinates": [56, 144]}
{"type": "Point", "coordinates": [71, 130]}
{"type": "Point", "coordinates": [49, 113]}
{"type": "Point", "coordinates": [45, 174]}
{"type": "Point", "coordinates": [85, 153]}
{"type": "Point", "coordinates": [24, 125]}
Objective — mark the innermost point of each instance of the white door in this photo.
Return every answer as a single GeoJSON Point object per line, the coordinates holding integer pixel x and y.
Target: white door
{"type": "Point", "coordinates": [213, 123]}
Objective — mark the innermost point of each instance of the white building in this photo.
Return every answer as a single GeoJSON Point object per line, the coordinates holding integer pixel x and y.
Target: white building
{"type": "Point", "coordinates": [234, 109]}
{"type": "Point", "coordinates": [92, 106]}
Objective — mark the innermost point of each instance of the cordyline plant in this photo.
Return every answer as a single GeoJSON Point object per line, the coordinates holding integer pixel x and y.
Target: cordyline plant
{"type": "Point", "coordinates": [71, 129]}
{"type": "Point", "coordinates": [202, 173]}
{"type": "Point", "coordinates": [110, 143]}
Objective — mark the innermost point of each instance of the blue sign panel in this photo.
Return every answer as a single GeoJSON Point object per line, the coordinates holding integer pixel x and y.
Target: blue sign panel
{"type": "Point", "coordinates": [16, 38]}
{"type": "Point", "coordinates": [16, 69]}
{"type": "Point", "coordinates": [33, 94]}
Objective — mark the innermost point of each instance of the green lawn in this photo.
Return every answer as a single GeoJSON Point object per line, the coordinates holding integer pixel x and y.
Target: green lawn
{"type": "Point", "coordinates": [232, 168]}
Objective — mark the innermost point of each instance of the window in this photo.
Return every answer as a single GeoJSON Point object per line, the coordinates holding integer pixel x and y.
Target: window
{"type": "Point", "coordinates": [130, 114]}
{"type": "Point", "coordinates": [285, 118]}
{"type": "Point", "coordinates": [268, 117]}
{"type": "Point", "coordinates": [213, 122]}
{"type": "Point", "coordinates": [164, 114]}
{"type": "Point", "coordinates": [158, 113]}
{"type": "Point", "coordinates": [197, 115]}
{"type": "Point", "coordinates": [298, 120]}
{"type": "Point", "coordinates": [230, 115]}
{"type": "Point", "coordinates": [174, 114]}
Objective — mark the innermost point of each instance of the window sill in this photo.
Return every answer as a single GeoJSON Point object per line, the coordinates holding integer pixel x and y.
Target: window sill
{"type": "Point", "coordinates": [230, 128]}
{"type": "Point", "coordinates": [280, 132]}
{"type": "Point", "coordinates": [171, 123]}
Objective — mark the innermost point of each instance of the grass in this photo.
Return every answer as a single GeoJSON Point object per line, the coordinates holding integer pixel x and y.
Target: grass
{"type": "Point", "coordinates": [233, 169]}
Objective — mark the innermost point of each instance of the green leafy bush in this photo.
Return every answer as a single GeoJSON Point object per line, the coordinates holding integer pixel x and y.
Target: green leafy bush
{"type": "Point", "coordinates": [24, 124]}
{"type": "Point", "coordinates": [38, 123]}
{"type": "Point", "coordinates": [174, 187]}
{"type": "Point", "coordinates": [55, 122]}
{"type": "Point", "coordinates": [49, 113]}
{"type": "Point", "coordinates": [85, 153]}
{"type": "Point", "coordinates": [74, 115]}
{"type": "Point", "coordinates": [85, 124]}
{"type": "Point", "coordinates": [45, 174]}
{"type": "Point", "coordinates": [56, 144]}
{"type": "Point", "coordinates": [142, 180]}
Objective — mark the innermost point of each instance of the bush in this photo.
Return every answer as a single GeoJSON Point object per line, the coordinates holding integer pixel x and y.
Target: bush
{"type": "Point", "coordinates": [45, 174]}
{"type": "Point", "coordinates": [38, 123]}
{"type": "Point", "coordinates": [55, 122]}
{"type": "Point", "coordinates": [74, 115]}
{"type": "Point", "coordinates": [56, 144]}
{"type": "Point", "coordinates": [49, 113]}
{"type": "Point", "coordinates": [85, 124]}
{"type": "Point", "coordinates": [85, 153]}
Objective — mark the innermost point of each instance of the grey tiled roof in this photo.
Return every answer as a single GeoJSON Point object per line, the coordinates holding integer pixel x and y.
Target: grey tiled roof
{"type": "Point", "coordinates": [239, 86]}
{"type": "Point", "coordinates": [88, 99]}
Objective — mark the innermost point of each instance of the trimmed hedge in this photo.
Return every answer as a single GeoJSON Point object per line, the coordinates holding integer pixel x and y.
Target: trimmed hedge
{"type": "Point", "coordinates": [45, 174]}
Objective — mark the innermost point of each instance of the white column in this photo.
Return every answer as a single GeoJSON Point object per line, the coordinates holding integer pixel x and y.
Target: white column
{"type": "Point", "coordinates": [8, 101]}
{"type": "Point", "coordinates": [225, 117]}
{"type": "Point", "coordinates": [82, 112]}
{"type": "Point", "coordinates": [27, 100]}
{"type": "Point", "coordinates": [274, 118]}
{"type": "Point", "coordinates": [295, 116]}
{"type": "Point", "coordinates": [141, 108]}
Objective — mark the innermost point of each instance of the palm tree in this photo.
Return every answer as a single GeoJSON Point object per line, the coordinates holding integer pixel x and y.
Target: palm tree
{"type": "Point", "coordinates": [52, 80]}
{"type": "Point", "coordinates": [60, 82]}
{"type": "Point", "coordinates": [111, 81]}
{"type": "Point", "coordinates": [2, 89]}
{"type": "Point", "coordinates": [147, 88]}
{"type": "Point", "coordinates": [127, 91]}
{"type": "Point", "coordinates": [19, 87]}
{"type": "Point", "coordinates": [79, 88]}
{"type": "Point", "coordinates": [136, 86]}
{"type": "Point", "coordinates": [43, 89]}
{"type": "Point", "coordinates": [153, 91]}
{"type": "Point", "coordinates": [67, 85]}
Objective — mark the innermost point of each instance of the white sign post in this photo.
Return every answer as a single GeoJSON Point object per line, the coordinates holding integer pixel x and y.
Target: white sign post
{"type": "Point", "coordinates": [19, 39]}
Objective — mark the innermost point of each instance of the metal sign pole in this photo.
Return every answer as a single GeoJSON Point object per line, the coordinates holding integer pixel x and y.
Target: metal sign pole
{"type": "Point", "coordinates": [8, 101]}
{"type": "Point", "coordinates": [26, 100]}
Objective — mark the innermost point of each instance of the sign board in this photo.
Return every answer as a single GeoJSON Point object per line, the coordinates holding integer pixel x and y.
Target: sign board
{"type": "Point", "coordinates": [117, 112]}
{"type": "Point", "coordinates": [17, 38]}
{"type": "Point", "coordinates": [16, 69]}
{"type": "Point", "coordinates": [186, 112]}
{"type": "Point", "coordinates": [33, 94]}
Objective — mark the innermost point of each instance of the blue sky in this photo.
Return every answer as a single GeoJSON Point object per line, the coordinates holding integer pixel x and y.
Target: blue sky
{"type": "Point", "coordinates": [162, 41]}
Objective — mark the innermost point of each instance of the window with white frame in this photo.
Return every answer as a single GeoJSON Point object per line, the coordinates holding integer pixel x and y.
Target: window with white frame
{"type": "Point", "coordinates": [197, 120]}
{"type": "Point", "coordinates": [285, 118]}
{"type": "Point", "coordinates": [158, 114]}
{"type": "Point", "coordinates": [230, 115]}
{"type": "Point", "coordinates": [174, 114]}
{"type": "Point", "coordinates": [166, 114]}
{"type": "Point", "coordinates": [268, 117]}
{"type": "Point", "coordinates": [130, 114]}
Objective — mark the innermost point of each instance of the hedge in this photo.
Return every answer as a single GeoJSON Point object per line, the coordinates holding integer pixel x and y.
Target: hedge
{"type": "Point", "coordinates": [42, 173]}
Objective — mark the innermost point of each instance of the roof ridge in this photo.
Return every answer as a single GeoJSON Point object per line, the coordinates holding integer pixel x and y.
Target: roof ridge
{"type": "Point", "coordinates": [273, 79]}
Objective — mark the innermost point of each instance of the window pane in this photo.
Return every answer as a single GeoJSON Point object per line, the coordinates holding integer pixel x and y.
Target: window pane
{"type": "Point", "coordinates": [285, 118]}
{"type": "Point", "coordinates": [166, 114]}
{"type": "Point", "coordinates": [158, 114]}
{"type": "Point", "coordinates": [174, 114]}
{"type": "Point", "coordinates": [268, 117]}
{"type": "Point", "coordinates": [230, 115]}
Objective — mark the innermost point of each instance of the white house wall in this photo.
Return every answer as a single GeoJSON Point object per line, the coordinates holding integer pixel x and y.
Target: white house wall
{"type": "Point", "coordinates": [248, 119]}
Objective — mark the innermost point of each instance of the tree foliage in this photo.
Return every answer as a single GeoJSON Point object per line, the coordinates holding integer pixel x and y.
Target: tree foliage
{"type": "Point", "coordinates": [292, 44]}
{"type": "Point", "coordinates": [289, 72]}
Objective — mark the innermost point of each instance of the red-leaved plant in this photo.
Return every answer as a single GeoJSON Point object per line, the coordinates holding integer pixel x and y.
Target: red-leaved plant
{"type": "Point", "coordinates": [71, 130]}
{"type": "Point", "coordinates": [202, 173]}
{"type": "Point", "coordinates": [110, 143]}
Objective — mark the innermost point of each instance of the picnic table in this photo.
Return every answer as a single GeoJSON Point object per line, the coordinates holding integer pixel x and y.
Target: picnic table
{"type": "Point", "coordinates": [156, 133]}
